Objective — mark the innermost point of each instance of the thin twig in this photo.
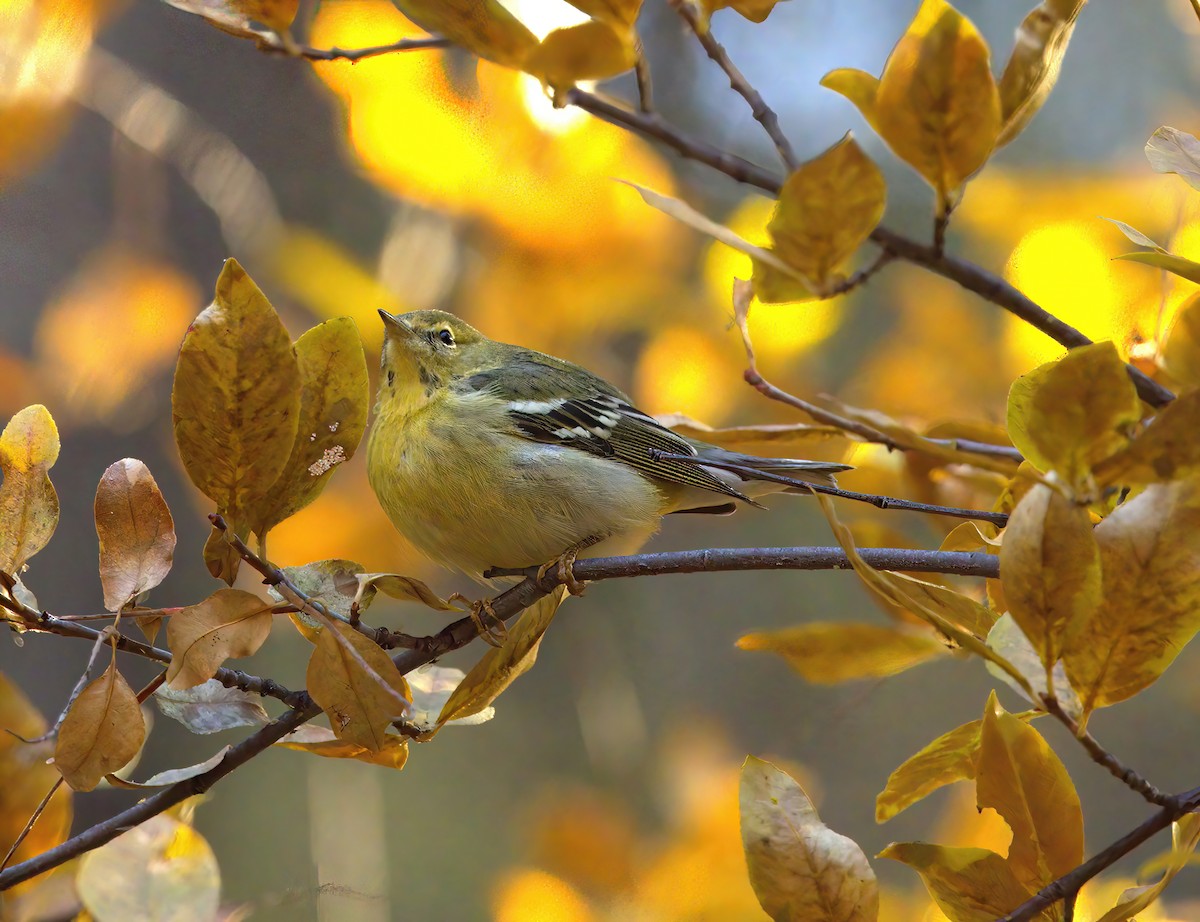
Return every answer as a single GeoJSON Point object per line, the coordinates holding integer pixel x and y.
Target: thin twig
{"type": "Point", "coordinates": [273, 44]}
{"type": "Point", "coordinates": [763, 113]}
{"type": "Point", "coordinates": [645, 86]}
{"type": "Point", "coordinates": [101, 638]}
{"type": "Point", "coordinates": [1196, 8]}
{"type": "Point", "coordinates": [37, 813]}
{"type": "Point", "coordinates": [861, 277]}
{"type": "Point", "coordinates": [998, 519]}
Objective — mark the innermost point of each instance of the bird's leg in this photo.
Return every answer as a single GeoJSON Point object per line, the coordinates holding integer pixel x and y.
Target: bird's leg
{"type": "Point", "coordinates": [565, 562]}
{"type": "Point", "coordinates": [491, 627]}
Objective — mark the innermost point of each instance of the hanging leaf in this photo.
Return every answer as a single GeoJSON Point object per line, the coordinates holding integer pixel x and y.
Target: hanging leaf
{"type": "Point", "coordinates": [333, 583]}
{"type": "Point", "coordinates": [1185, 834]}
{"type": "Point", "coordinates": [229, 623]}
{"type": "Point", "coordinates": [968, 884]}
{"type": "Point", "coordinates": [1170, 150]}
{"type": "Point", "coordinates": [136, 532]}
{"type": "Point", "coordinates": [357, 686]}
{"type": "Point", "coordinates": [28, 503]}
{"type": "Point", "coordinates": [830, 652]}
{"type": "Point", "coordinates": [404, 588]}
{"type": "Point", "coordinates": [501, 666]}
{"type": "Point", "coordinates": [1149, 553]}
{"type": "Point", "coordinates": [1167, 449]}
{"type": "Point", "coordinates": [483, 27]}
{"type": "Point", "coordinates": [334, 398]}
{"type": "Point", "coordinates": [1032, 69]}
{"type": "Point", "coordinates": [936, 104]}
{"type": "Point", "coordinates": [592, 50]}
{"type": "Point", "coordinates": [754, 10]}
{"type": "Point", "coordinates": [171, 776]}
{"type": "Point", "coordinates": [102, 732]}
{"type": "Point", "coordinates": [1135, 235]}
{"type": "Point", "coordinates": [1019, 776]}
{"type": "Point", "coordinates": [431, 688]}
{"type": "Point", "coordinates": [320, 741]}
{"type": "Point", "coordinates": [826, 209]}
{"type": "Point", "coordinates": [623, 13]}
{"type": "Point", "coordinates": [799, 867]}
{"type": "Point", "coordinates": [1066, 415]}
{"type": "Point", "coordinates": [210, 707]}
{"type": "Point", "coordinates": [1181, 348]}
{"type": "Point", "coordinates": [1008, 640]}
{"type": "Point", "coordinates": [238, 16]}
{"type": "Point", "coordinates": [158, 870]}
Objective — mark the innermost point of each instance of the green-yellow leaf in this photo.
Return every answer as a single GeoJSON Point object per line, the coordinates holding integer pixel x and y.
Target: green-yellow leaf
{"type": "Point", "coordinates": [830, 652]}
{"type": "Point", "coordinates": [592, 50]}
{"type": "Point", "coordinates": [136, 532]}
{"type": "Point", "coordinates": [1167, 449]}
{"type": "Point", "coordinates": [1185, 835]}
{"type": "Point", "coordinates": [826, 209]}
{"type": "Point", "coordinates": [320, 741]}
{"type": "Point", "coordinates": [968, 884]}
{"type": "Point", "coordinates": [102, 732]}
{"type": "Point", "coordinates": [1170, 150]}
{"type": "Point", "coordinates": [357, 686]}
{"type": "Point", "coordinates": [501, 666]}
{"type": "Point", "coordinates": [1066, 415]}
{"type": "Point", "coordinates": [614, 12]}
{"type": "Point", "coordinates": [229, 623]}
{"type": "Point", "coordinates": [483, 27]}
{"type": "Point", "coordinates": [1049, 567]}
{"type": "Point", "coordinates": [800, 869]}
{"type": "Point", "coordinates": [1008, 640]}
{"type": "Point", "coordinates": [1019, 776]}
{"type": "Point", "coordinates": [1177, 265]}
{"type": "Point", "coordinates": [1150, 554]}
{"type": "Point", "coordinates": [334, 401]}
{"type": "Point", "coordinates": [1036, 60]}
{"type": "Point", "coordinates": [28, 503]}
{"type": "Point", "coordinates": [1181, 349]}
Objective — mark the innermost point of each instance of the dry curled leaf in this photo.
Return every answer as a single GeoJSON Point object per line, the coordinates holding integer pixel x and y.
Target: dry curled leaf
{"type": "Point", "coordinates": [1167, 449]}
{"type": "Point", "coordinates": [102, 732]}
{"type": "Point", "coordinates": [171, 776]}
{"type": "Point", "coordinates": [136, 532]}
{"type": "Point", "coordinates": [357, 686]}
{"type": "Point", "coordinates": [28, 504]}
{"type": "Point", "coordinates": [830, 652]}
{"type": "Point", "coordinates": [968, 884]}
{"type": "Point", "coordinates": [801, 870]}
{"type": "Point", "coordinates": [483, 27]}
{"type": "Point", "coordinates": [333, 583]}
{"type": "Point", "coordinates": [320, 741]}
{"type": "Point", "coordinates": [404, 588]}
{"type": "Point", "coordinates": [1170, 150]}
{"type": "Point", "coordinates": [229, 623]}
{"type": "Point", "coordinates": [238, 16]}
{"type": "Point", "coordinates": [592, 50]}
{"type": "Point", "coordinates": [1185, 835]}
{"type": "Point", "coordinates": [210, 707]}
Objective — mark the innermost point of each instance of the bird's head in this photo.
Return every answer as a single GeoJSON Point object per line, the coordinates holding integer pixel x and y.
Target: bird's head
{"type": "Point", "coordinates": [422, 352]}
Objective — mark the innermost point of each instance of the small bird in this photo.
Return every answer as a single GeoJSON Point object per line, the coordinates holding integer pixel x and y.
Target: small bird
{"type": "Point", "coordinates": [487, 455]}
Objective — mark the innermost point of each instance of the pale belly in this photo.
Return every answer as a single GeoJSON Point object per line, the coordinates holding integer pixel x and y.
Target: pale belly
{"type": "Point", "coordinates": [517, 504]}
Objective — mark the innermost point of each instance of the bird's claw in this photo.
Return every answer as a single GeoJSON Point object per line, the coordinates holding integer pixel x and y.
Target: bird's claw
{"type": "Point", "coordinates": [491, 626]}
{"type": "Point", "coordinates": [564, 572]}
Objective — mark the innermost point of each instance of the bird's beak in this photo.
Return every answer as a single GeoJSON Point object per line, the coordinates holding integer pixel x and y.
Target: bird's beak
{"type": "Point", "coordinates": [392, 322]}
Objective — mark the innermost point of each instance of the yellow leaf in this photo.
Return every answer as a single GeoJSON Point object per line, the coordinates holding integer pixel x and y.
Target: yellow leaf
{"type": "Point", "coordinates": [483, 27]}
{"type": "Point", "coordinates": [754, 10]}
{"type": "Point", "coordinates": [1150, 553]}
{"type": "Point", "coordinates": [765, 439]}
{"type": "Point", "coordinates": [936, 104]}
{"type": "Point", "coordinates": [970, 536]}
{"type": "Point", "coordinates": [1181, 348]}
{"type": "Point", "coordinates": [500, 667]}
{"type": "Point", "coordinates": [1167, 449]}
{"type": "Point", "coordinates": [1049, 567]}
{"type": "Point", "coordinates": [614, 12]}
{"type": "Point", "coordinates": [1019, 776]}
{"type": "Point", "coordinates": [1184, 268]}
{"type": "Point", "coordinates": [236, 399]}
{"type": "Point", "coordinates": [1066, 415]}
{"type": "Point", "coordinates": [1036, 59]}
{"type": "Point", "coordinates": [1185, 834]}
{"type": "Point", "coordinates": [968, 884]}
{"type": "Point", "coordinates": [800, 868]}
{"type": "Point", "coordinates": [102, 732]}
{"type": "Point", "coordinates": [320, 741]}
{"type": "Point", "coordinates": [136, 532]}
{"type": "Point", "coordinates": [237, 16]}
{"type": "Point", "coordinates": [25, 777]}
{"type": "Point", "coordinates": [826, 209]}
{"type": "Point", "coordinates": [405, 588]}
{"type": "Point", "coordinates": [357, 686]}
{"type": "Point", "coordinates": [28, 503]}
{"type": "Point", "coordinates": [830, 652]}
{"type": "Point", "coordinates": [1008, 640]}
{"type": "Point", "coordinates": [334, 398]}
{"type": "Point", "coordinates": [592, 50]}
{"type": "Point", "coordinates": [229, 623]}
{"type": "Point", "coordinates": [1170, 150]}
{"type": "Point", "coordinates": [160, 869]}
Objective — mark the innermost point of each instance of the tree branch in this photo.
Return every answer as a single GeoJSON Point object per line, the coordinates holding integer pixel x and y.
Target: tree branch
{"type": "Point", "coordinates": [271, 43]}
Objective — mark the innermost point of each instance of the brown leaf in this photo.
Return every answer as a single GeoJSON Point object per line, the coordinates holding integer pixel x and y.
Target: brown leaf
{"type": "Point", "coordinates": [136, 532]}
{"type": "Point", "coordinates": [483, 27]}
{"type": "Point", "coordinates": [936, 104]}
{"type": "Point", "coordinates": [968, 884]}
{"type": "Point", "coordinates": [237, 16]}
{"type": "Point", "coordinates": [1050, 568]}
{"type": "Point", "coordinates": [1032, 69]}
{"type": "Point", "coordinates": [826, 209]}
{"type": "Point", "coordinates": [1150, 554]}
{"type": "Point", "coordinates": [1170, 150]}
{"type": "Point", "coordinates": [404, 588]}
{"type": "Point", "coordinates": [229, 623]}
{"type": "Point", "coordinates": [1066, 415]}
{"type": "Point", "coordinates": [800, 868]}
{"type": "Point", "coordinates": [591, 50]}
{"type": "Point", "coordinates": [501, 666]}
{"type": "Point", "coordinates": [320, 741]}
{"type": "Point", "coordinates": [1020, 777]}
{"type": "Point", "coordinates": [1167, 449]}
{"type": "Point", "coordinates": [334, 398]}
{"type": "Point", "coordinates": [25, 777]}
{"type": "Point", "coordinates": [236, 399]}
{"type": "Point", "coordinates": [357, 686]}
{"type": "Point", "coordinates": [830, 652]}
{"type": "Point", "coordinates": [102, 732]}
{"type": "Point", "coordinates": [28, 503]}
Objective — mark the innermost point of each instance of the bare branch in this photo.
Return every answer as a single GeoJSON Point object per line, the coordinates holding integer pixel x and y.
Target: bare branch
{"type": "Point", "coordinates": [37, 813]}
{"type": "Point", "coordinates": [273, 44]}
{"type": "Point", "coordinates": [645, 85]}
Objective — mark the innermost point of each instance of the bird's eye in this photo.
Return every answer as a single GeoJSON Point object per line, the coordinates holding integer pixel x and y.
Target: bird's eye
{"type": "Point", "coordinates": [446, 336]}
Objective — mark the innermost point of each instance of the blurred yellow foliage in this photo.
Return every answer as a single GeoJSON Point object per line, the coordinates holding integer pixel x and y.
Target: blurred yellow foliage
{"type": "Point", "coordinates": [119, 304]}
{"type": "Point", "coordinates": [683, 370]}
